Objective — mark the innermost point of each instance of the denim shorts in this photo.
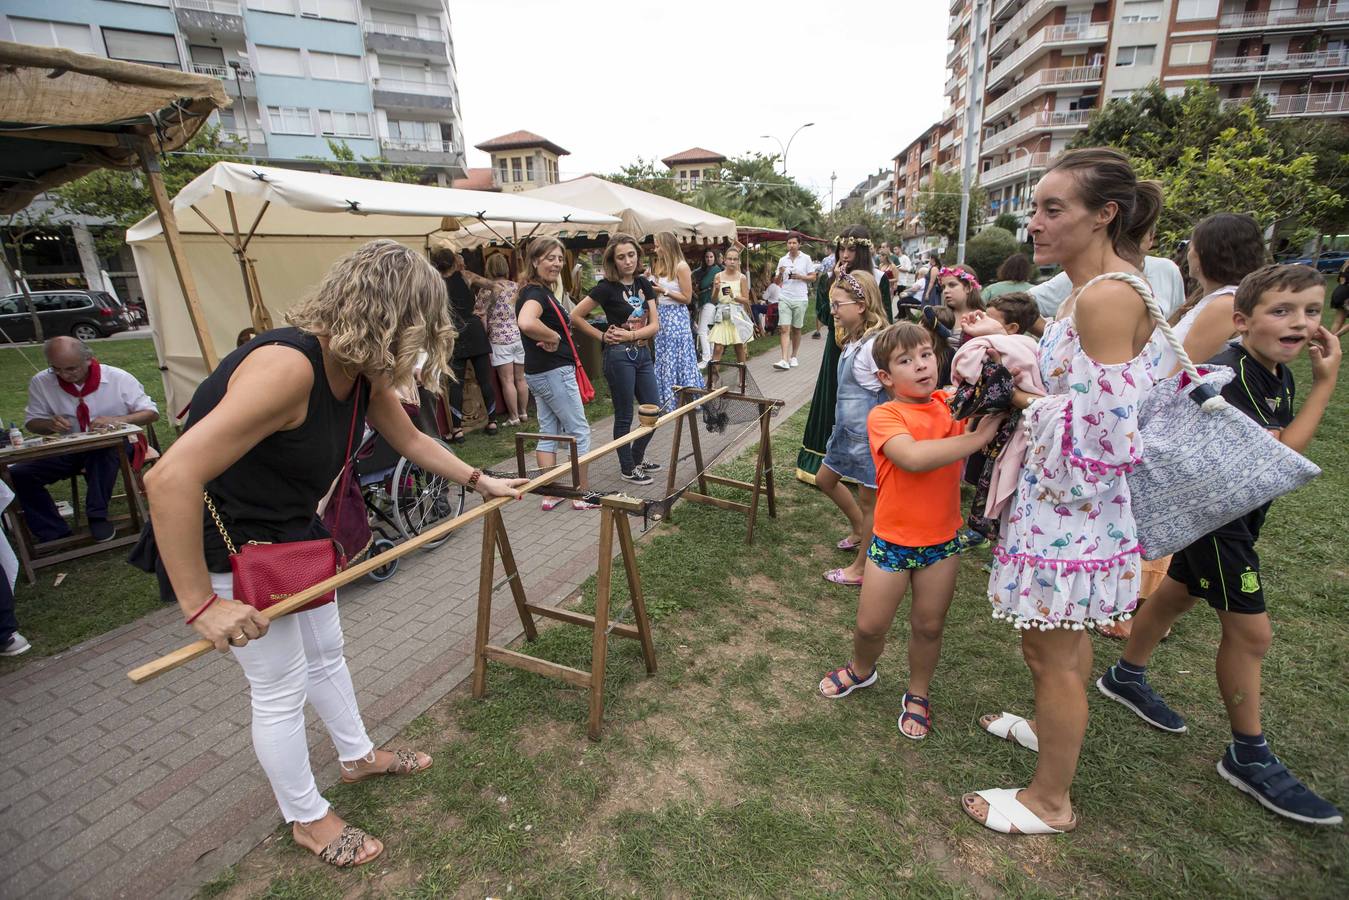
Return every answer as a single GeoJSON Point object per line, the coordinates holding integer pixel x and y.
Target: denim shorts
{"type": "Point", "coordinates": [898, 558]}
{"type": "Point", "coordinates": [560, 408]}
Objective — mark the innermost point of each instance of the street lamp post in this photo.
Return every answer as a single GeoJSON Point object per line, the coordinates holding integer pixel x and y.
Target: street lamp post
{"type": "Point", "coordinates": [788, 145]}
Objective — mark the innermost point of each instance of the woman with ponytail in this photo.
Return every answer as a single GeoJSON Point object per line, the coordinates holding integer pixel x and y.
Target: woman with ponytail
{"type": "Point", "coordinates": [1068, 556]}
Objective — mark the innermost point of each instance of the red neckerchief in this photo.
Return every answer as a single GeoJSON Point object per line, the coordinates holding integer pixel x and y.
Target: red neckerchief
{"type": "Point", "coordinates": [91, 383]}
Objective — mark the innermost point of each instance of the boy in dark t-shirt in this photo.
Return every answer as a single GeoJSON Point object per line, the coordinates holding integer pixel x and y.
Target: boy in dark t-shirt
{"type": "Point", "coordinates": [1277, 313]}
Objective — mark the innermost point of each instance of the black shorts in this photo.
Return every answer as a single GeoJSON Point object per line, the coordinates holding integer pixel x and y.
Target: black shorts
{"type": "Point", "coordinates": [1222, 570]}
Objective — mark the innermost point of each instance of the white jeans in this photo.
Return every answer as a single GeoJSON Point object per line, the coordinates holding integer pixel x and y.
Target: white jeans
{"type": "Point", "coordinates": [299, 658]}
{"type": "Point", "coordinates": [706, 313]}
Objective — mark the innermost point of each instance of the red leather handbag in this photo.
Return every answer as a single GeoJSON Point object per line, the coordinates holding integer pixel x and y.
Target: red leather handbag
{"type": "Point", "coordinates": [267, 573]}
{"type": "Point", "coordinates": [582, 379]}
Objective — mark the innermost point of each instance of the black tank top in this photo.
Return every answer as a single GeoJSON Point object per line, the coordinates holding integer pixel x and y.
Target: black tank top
{"type": "Point", "coordinates": [272, 492]}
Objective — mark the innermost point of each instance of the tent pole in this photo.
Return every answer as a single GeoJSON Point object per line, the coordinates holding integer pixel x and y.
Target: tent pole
{"type": "Point", "coordinates": [257, 313]}
{"type": "Point", "coordinates": [177, 253]}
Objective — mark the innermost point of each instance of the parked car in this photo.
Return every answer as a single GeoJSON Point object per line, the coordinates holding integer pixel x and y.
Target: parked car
{"type": "Point", "coordinates": [1329, 261]}
{"type": "Point", "coordinates": [81, 314]}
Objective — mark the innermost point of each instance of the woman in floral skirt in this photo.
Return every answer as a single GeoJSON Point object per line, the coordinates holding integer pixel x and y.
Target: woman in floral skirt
{"type": "Point", "coordinates": [676, 353]}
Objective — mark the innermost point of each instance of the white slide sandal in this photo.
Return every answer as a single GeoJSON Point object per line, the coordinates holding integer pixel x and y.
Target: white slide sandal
{"type": "Point", "coordinates": [1013, 728]}
{"type": "Point", "coordinates": [1007, 815]}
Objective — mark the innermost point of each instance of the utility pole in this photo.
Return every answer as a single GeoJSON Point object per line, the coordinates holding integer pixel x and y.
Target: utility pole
{"type": "Point", "coordinates": [833, 176]}
{"type": "Point", "coordinates": [974, 118]}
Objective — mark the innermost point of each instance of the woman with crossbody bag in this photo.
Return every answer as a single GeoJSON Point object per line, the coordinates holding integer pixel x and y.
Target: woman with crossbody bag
{"type": "Point", "coordinates": [552, 368]}
{"type": "Point", "coordinates": [264, 442]}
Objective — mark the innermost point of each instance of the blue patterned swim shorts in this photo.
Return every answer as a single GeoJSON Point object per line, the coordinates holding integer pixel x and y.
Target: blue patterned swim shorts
{"type": "Point", "coordinates": [898, 558]}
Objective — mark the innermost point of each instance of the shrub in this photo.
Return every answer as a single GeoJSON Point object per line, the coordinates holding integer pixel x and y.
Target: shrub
{"type": "Point", "coordinates": [986, 251]}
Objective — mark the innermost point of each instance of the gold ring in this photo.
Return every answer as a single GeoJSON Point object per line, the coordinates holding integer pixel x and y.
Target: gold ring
{"type": "Point", "coordinates": [239, 637]}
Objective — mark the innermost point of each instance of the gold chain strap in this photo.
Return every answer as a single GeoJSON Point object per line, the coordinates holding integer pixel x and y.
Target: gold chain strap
{"type": "Point", "coordinates": [229, 545]}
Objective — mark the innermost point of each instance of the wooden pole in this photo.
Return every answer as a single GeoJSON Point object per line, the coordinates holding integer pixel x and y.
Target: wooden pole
{"type": "Point", "coordinates": [640, 620]}
{"type": "Point", "coordinates": [599, 648]}
{"type": "Point", "coordinates": [486, 564]}
{"type": "Point", "coordinates": [177, 253]}
{"type": "Point", "coordinates": [294, 602]}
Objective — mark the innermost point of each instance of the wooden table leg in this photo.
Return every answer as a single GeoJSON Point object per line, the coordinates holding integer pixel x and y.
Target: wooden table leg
{"type": "Point", "coordinates": [484, 626]}
{"type": "Point", "coordinates": [673, 468]}
{"type": "Point", "coordinates": [600, 642]}
{"type": "Point", "coordinates": [513, 577]}
{"type": "Point", "coordinates": [766, 447]}
{"type": "Point", "coordinates": [640, 619]}
{"type": "Point", "coordinates": [135, 503]}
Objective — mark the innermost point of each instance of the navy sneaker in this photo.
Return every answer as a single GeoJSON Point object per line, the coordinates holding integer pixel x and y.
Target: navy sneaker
{"type": "Point", "coordinates": [102, 530]}
{"type": "Point", "coordinates": [1278, 790]}
{"type": "Point", "coordinates": [1142, 700]}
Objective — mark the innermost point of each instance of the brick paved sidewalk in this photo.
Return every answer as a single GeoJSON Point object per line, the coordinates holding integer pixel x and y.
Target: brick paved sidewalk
{"type": "Point", "coordinates": [109, 789]}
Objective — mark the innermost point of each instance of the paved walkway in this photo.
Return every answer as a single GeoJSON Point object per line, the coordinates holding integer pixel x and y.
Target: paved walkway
{"type": "Point", "coordinates": [108, 789]}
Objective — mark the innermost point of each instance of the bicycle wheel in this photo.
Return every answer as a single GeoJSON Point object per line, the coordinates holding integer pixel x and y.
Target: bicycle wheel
{"type": "Point", "coordinates": [421, 499]}
{"type": "Point", "coordinates": [384, 572]}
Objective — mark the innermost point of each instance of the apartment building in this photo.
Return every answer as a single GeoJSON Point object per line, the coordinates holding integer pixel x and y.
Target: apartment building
{"type": "Point", "coordinates": [1051, 62]}
{"type": "Point", "coordinates": [376, 74]}
{"type": "Point", "coordinates": [911, 172]}
{"type": "Point", "coordinates": [379, 75]}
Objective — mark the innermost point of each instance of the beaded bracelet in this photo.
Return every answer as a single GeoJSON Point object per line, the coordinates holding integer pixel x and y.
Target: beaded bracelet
{"type": "Point", "coordinates": [192, 618]}
{"type": "Point", "coordinates": [472, 482]}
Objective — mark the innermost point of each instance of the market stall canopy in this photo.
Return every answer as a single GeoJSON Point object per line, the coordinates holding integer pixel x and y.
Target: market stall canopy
{"type": "Point", "coordinates": [312, 204]}
{"type": "Point", "coordinates": [748, 234]}
{"type": "Point", "coordinates": [259, 239]}
{"type": "Point", "coordinates": [65, 114]}
{"type": "Point", "coordinates": [642, 214]}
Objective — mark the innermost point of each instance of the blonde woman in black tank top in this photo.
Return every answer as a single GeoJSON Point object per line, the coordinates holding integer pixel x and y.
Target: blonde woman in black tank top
{"type": "Point", "coordinates": [266, 439]}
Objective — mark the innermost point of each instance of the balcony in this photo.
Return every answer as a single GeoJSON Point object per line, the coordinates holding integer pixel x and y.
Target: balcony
{"type": "Point", "coordinates": [238, 82]}
{"type": "Point", "coordinates": [1000, 7]}
{"type": "Point", "coordinates": [1315, 62]}
{"type": "Point", "coordinates": [414, 151]}
{"type": "Point", "coordinates": [1041, 121]}
{"type": "Point", "coordinates": [435, 99]}
{"type": "Point", "coordinates": [953, 82]}
{"type": "Point", "coordinates": [1022, 165]}
{"type": "Point", "coordinates": [1045, 39]}
{"type": "Point", "coordinates": [209, 18]}
{"type": "Point", "coordinates": [1028, 13]}
{"type": "Point", "coordinates": [954, 54]}
{"type": "Point", "coordinates": [1329, 104]}
{"type": "Point", "coordinates": [1284, 18]}
{"type": "Point", "coordinates": [948, 114]}
{"type": "Point", "coordinates": [925, 158]}
{"type": "Point", "coordinates": [1043, 80]}
{"type": "Point", "coordinates": [405, 40]}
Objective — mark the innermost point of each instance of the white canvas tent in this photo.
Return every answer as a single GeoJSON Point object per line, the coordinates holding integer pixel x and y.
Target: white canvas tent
{"type": "Point", "coordinates": [642, 214]}
{"type": "Point", "coordinates": [258, 238]}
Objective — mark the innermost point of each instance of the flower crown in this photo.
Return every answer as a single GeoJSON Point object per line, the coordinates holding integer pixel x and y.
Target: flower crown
{"type": "Point", "coordinates": [852, 241]}
{"type": "Point", "coordinates": [962, 275]}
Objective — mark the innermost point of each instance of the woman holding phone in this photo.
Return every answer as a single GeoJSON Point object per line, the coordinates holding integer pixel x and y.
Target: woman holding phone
{"type": "Point", "coordinates": [629, 304]}
{"type": "Point", "coordinates": [732, 325]}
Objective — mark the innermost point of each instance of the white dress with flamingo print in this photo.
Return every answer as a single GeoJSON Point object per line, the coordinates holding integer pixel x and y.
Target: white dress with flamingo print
{"type": "Point", "coordinates": [1068, 554]}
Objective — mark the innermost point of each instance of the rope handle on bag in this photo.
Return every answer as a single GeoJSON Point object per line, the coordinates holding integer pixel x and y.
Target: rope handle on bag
{"type": "Point", "coordinates": [1205, 395]}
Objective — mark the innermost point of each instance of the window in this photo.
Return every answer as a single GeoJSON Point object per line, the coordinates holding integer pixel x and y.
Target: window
{"type": "Point", "coordinates": [1189, 10]}
{"type": "Point", "coordinates": [142, 47]}
{"type": "Point", "coordinates": [290, 119]}
{"type": "Point", "coordinates": [344, 124]}
{"type": "Point", "coordinates": [1141, 55]}
{"type": "Point", "coordinates": [1191, 54]}
{"type": "Point", "coordinates": [502, 170]}
{"type": "Point", "coordinates": [1141, 11]}
{"type": "Point", "coordinates": [335, 66]}
{"type": "Point", "coordinates": [515, 169]}
{"type": "Point", "coordinates": [341, 10]}
{"type": "Point", "coordinates": [208, 56]}
{"type": "Point", "coordinates": [53, 34]}
{"type": "Point", "coordinates": [285, 7]}
{"type": "Point", "coordinates": [529, 168]}
{"type": "Point", "coordinates": [279, 61]}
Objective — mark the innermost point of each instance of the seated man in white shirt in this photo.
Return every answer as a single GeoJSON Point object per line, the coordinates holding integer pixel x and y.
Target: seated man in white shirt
{"type": "Point", "coordinates": [76, 394]}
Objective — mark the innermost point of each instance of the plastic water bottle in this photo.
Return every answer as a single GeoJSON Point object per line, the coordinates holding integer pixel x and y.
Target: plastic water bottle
{"type": "Point", "coordinates": [15, 435]}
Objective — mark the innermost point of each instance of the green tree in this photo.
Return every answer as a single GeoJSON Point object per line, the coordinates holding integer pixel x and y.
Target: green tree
{"type": "Point", "coordinates": [17, 231]}
{"type": "Point", "coordinates": [122, 197]}
{"type": "Point", "coordinates": [1245, 170]}
{"type": "Point", "coordinates": [939, 205]}
{"type": "Point", "coordinates": [1291, 173]}
{"type": "Point", "coordinates": [644, 176]}
{"type": "Point", "coordinates": [343, 162]}
{"type": "Point", "coordinates": [986, 250]}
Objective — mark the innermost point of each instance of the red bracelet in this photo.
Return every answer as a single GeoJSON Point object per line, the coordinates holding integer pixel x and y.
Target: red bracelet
{"type": "Point", "coordinates": [192, 618]}
{"type": "Point", "coordinates": [472, 482]}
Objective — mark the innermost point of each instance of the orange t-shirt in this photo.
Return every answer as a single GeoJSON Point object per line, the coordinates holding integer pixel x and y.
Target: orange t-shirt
{"type": "Point", "coordinates": [915, 509]}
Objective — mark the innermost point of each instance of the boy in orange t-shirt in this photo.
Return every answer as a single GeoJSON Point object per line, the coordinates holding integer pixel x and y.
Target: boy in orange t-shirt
{"type": "Point", "coordinates": [917, 447]}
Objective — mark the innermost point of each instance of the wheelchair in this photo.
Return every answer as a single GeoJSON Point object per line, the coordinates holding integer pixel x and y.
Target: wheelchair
{"type": "Point", "coordinates": [402, 499]}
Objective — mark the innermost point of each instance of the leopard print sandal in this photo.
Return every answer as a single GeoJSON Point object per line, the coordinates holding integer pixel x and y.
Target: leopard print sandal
{"type": "Point", "coordinates": [405, 762]}
{"type": "Point", "coordinates": [345, 850]}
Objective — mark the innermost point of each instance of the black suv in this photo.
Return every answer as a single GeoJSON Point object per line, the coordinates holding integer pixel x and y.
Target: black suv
{"type": "Point", "coordinates": [81, 314]}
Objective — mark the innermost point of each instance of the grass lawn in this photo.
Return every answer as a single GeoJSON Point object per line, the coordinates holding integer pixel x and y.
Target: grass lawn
{"type": "Point", "coordinates": [726, 775]}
